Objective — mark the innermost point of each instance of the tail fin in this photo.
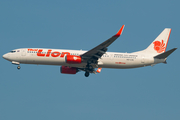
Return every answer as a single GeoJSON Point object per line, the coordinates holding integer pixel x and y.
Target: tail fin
{"type": "Point", "coordinates": [160, 43]}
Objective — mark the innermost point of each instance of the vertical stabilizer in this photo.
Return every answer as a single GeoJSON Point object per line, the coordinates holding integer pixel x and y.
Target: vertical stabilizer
{"type": "Point", "coordinates": [160, 43]}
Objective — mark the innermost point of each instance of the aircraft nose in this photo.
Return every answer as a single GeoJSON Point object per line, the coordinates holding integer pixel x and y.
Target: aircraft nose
{"type": "Point", "coordinates": [5, 56]}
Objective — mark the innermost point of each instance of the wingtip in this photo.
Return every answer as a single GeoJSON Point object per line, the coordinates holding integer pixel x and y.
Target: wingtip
{"type": "Point", "coordinates": [120, 31]}
{"type": "Point", "coordinates": [99, 70]}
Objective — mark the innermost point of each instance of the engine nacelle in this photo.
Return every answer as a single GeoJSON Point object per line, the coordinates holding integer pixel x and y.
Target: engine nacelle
{"type": "Point", "coordinates": [73, 59]}
{"type": "Point", "coordinates": [68, 70]}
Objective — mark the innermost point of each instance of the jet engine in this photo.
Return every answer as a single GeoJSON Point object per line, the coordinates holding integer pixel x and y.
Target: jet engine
{"type": "Point", "coordinates": [68, 70]}
{"type": "Point", "coordinates": [73, 59]}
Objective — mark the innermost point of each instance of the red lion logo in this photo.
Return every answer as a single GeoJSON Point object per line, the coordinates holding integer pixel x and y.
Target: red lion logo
{"type": "Point", "coordinates": [159, 46]}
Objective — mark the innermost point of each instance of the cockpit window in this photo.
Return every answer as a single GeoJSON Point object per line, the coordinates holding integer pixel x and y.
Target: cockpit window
{"type": "Point", "coordinates": [13, 51]}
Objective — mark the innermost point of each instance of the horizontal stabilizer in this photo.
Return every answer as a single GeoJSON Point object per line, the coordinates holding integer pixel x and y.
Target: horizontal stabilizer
{"type": "Point", "coordinates": [165, 54]}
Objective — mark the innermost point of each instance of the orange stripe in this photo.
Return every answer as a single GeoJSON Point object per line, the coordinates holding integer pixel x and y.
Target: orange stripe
{"type": "Point", "coordinates": [168, 39]}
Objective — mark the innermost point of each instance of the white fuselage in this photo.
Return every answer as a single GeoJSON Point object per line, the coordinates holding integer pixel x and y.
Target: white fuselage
{"type": "Point", "coordinates": [73, 61]}
{"type": "Point", "coordinates": [57, 57]}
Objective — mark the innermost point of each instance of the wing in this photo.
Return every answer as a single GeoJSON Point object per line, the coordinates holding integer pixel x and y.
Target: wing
{"type": "Point", "coordinates": [94, 54]}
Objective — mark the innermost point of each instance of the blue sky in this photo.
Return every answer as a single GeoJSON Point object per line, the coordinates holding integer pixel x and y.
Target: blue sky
{"type": "Point", "coordinates": [42, 93]}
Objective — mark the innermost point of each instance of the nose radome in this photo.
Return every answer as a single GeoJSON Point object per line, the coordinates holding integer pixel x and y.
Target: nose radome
{"type": "Point", "coordinates": [5, 56]}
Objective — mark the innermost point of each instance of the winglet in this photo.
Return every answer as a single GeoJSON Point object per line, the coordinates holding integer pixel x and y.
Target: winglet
{"type": "Point", "coordinates": [120, 31]}
{"type": "Point", "coordinates": [98, 70]}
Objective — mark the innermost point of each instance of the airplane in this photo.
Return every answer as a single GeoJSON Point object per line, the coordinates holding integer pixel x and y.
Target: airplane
{"type": "Point", "coordinates": [73, 61]}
